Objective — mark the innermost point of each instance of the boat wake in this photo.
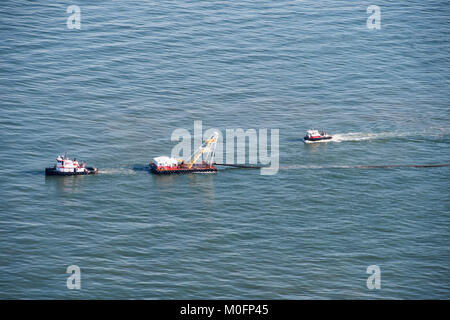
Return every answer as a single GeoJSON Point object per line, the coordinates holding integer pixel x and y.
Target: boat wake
{"type": "Point", "coordinates": [429, 134]}
{"type": "Point", "coordinates": [117, 171]}
{"type": "Point", "coordinates": [360, 136]}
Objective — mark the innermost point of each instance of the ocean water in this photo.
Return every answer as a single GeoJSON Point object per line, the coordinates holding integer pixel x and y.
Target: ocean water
{"type": "Point", "coordinates": [113, 92]}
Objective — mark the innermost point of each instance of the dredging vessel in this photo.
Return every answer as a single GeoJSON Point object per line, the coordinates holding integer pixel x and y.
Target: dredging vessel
{"type": "Point", "coordinates": [67, 167]}
{"type": "Point", "coordinates": [168, 165]}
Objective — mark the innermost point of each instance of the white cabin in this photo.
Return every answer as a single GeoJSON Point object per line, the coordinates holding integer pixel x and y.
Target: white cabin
{"type": "Point", "coordinates": [164, 161]}
{"type": "Point", "coordinates": [64, 164]}
{"type": "Point", "coordinates": [313, 133]}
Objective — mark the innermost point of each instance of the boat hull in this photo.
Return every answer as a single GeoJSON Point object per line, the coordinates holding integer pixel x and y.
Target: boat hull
{"type": "Point", "coordinates": [54, 172]}
{"type": "Point", "coordinates": [185, 170]}
{"type": "Point", "coordinates": [310, 140]}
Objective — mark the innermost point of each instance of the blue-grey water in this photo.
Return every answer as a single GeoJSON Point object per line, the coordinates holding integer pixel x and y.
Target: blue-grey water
{"type": "Point", "coordinates": [113, 92]}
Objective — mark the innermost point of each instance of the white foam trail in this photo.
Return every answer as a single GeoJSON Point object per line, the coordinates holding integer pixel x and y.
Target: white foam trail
{"type": "Point", "coordinates": [320, 141]}
{"type": "Point", "coordinates": [121, 171]}
{"type": "Point", "coordinates": [434, 133]}
{"type": "Point", "coordinates": [360, 136]}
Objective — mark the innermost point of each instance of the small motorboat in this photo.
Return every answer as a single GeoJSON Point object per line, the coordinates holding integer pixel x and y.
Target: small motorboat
{"type": "Point", "coordinates": [316, 136]}
{"type": "Point", "coordinates": [68, 167]}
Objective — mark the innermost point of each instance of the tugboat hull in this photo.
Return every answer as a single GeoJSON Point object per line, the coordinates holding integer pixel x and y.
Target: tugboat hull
{"type": "Point", "coordinates": [310, 140]}
{"type": "Point", "coordinates": [54, 172]}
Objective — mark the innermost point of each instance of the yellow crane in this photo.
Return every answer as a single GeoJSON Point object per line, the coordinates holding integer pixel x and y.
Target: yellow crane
{"type": "Point", "coordinates": [209, 147]}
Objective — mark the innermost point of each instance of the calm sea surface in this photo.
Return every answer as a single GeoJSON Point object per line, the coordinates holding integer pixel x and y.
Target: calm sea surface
{"type": "Point", "coordinates": [113, 92]}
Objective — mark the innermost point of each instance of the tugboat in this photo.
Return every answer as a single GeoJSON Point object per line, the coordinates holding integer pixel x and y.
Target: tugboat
{"type": "Point", "coordinates": [316, 136]}
{"type": "Point", "coordinates": [167, 165]}
{"type": "Point", "coordinates": [68, 167]}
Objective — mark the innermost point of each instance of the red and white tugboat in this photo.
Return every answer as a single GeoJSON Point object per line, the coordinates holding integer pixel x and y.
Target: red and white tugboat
{"type": "Point", "coordinates": [167, 165]}
{"type": "Point", "coordinates": [69, 167]}
{"type": "Point", "coordinates": [316, 136]}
